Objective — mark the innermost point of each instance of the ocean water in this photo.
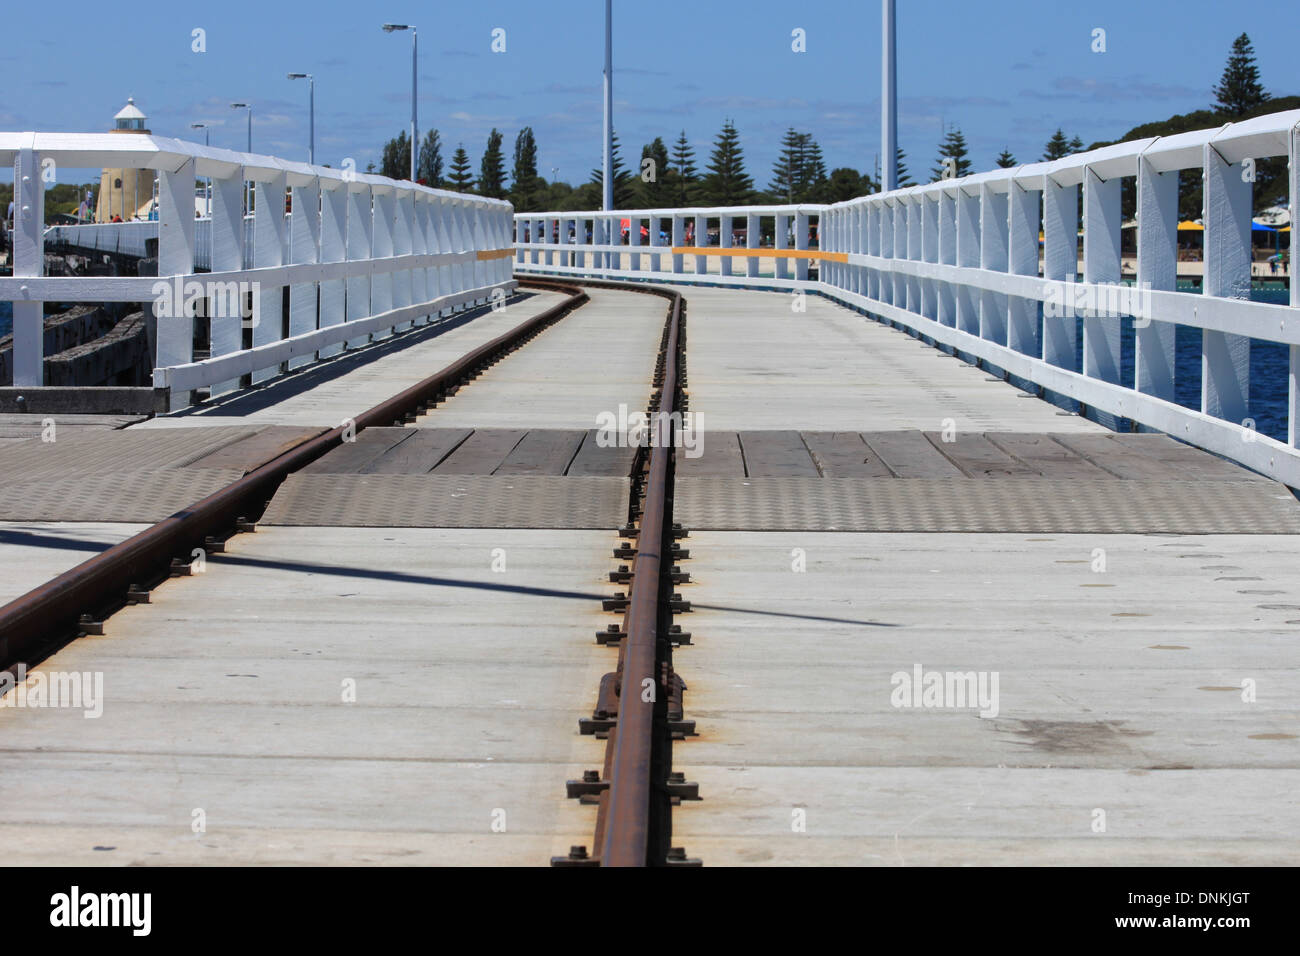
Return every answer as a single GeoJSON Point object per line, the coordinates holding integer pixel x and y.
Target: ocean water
{"type": "Point", "coordinates": [1269, 364]}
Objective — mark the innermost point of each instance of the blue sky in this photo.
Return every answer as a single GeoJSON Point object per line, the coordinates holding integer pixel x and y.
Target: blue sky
{"type": "Point", "coordinates": [1008, 72]}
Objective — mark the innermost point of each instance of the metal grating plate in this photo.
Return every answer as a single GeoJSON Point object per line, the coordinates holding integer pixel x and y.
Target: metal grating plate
{"type": "Point", "coordinates": [1028, 505]}
{"type": "Point", "coordinates": [103, 452]}
{"type": "Point", "coordinates": [131, 496]}
{"type": "Point", "coordinates": [450, 501]}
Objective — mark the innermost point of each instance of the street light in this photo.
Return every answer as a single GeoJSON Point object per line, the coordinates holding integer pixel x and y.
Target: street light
{"type": "Point", "coordinates": [246, 106]}
{"type": "Point", "coordinates": [888, 98]}
{"type": "Point", "coordinates": [311, 98]}
{"type": "Point", "coordinates": [415, 146]}
{"type": "Point", "coordinates": [207, 190]}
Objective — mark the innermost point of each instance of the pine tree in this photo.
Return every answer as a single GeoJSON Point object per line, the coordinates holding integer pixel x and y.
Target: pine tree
{"type": "Point", "coordinates": [1076, 145]}
{"type": "Point", "coordinates": [460, 178]}
{"type": "Point", "coordinates": [686, 173]}
{"type": "Point", "coordinates": [799, 174]}
{"type": "Point", "coordinates": [1057, 146]}
{"type": "Point", "coordinates": [1239, 90]}
{"type": "Point", "coordinates": [656, 192]}
{"type": "Point", "coordinates": [789, 162]}
{"type": "Point", "coordinates": [524, 185]}
{"type": "Point", "coordinates": [624, 182]}
{"type": "Point", "coordinates": [429, 169]}
{"type": "Point", "coordinates": [1005, 160]}
{"type": "Point", "coordinates": [396, 161]}
{"type": "Point", "coordinates": [904, 177]}
{"type": "Point", "coordinates": [812, 179]}
{"type": "Point", "coordinates": [726, 183]}
{"type": "Point", "coordinates": [492, 170]}
{"type": "Point", "coordinates": [952, 148]}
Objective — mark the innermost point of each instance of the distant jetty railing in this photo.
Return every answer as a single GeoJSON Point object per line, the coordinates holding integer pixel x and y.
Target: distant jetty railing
{"type": "Point", "coordinates": [988, 265]}
{"type": "Point", "coordinates": [131, 239]}
{"type": "Point", "coordinates": [362, 258]}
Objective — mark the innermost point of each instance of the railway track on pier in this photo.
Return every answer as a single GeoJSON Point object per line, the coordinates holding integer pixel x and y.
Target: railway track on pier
{"type": "Point", "coordinates": [638, 708]}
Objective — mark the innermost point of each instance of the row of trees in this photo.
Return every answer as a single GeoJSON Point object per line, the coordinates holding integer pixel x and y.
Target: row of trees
{"type": "Point", "coordinates": [671, 177]}
{"type": "Point", "coordinates": [664, 177]}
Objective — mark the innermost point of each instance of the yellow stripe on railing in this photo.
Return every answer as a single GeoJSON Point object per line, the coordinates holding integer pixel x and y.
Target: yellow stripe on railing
{"type": "Point", "coordinates": [484, 254]}
{"type": "Point", "coordinates": [740, 252]}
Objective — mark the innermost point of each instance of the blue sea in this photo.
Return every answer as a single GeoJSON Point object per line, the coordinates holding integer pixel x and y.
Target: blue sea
{"type": "Point", "coordinates": [1268, 365]}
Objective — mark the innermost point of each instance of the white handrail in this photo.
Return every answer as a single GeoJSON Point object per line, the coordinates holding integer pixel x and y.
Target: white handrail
{"type": "Point", "coordinates": [367, 254]}
{"type": "Point", "coordinates": [958, 262]}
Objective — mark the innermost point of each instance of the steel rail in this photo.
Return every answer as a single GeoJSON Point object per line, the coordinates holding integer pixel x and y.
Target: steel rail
{"type": "Point", "coordinates": [48, 615]}
{"type": "Point", "coordinates": [627, 819]}
{"type": "Point", "coordinates": [623, 825]}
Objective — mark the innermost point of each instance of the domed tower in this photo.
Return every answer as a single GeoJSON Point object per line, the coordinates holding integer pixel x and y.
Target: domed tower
{"type": "Point", "coordinates": [127, 193]}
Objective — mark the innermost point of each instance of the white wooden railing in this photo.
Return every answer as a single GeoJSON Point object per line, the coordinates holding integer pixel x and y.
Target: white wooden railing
{"type": "Point", "coordinates": [365, 257]}
{"type": "Point", "coordinates": [958, 262]}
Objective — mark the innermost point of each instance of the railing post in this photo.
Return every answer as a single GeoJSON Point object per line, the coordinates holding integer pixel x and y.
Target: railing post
{"type": "Point", "coordinates": [269, 235]}
{"type": "Point", "coordinates": [781, 241]}
{"type": "Point", "coordinates": [403, 223]}
{"type": "Point", "coordinates": [381, 283]}
{"type": "Point", "coordinates": [899, 280]}
{"type": "Point", "coordinates": [1225, 358]}
{"type": "Point", "coordinates": [887, 213]}
{"type": "Point", "coordinates": [442, 209]}
{"type": "Point", "coordinates": [28, 243]}
{"type": "Point", "coordinates": [863, 229]}
{"type": "Point", "coordinates": [994, 252]}
{"type": "Point", "coordinates": [333, 248]}
{"type": "Point", "coordinates": [634, 241]}
{"type": "Point", "coordinates": [420, 276]}
{"type": "Point", "coordinates": [656, 227]}
{"type": "Point", "coordinates": [875, 206]}
{"type": "Point", "coordinates": [175, 328]}
{"type": "Point", "coordinates": [360, 238]}
{"type": "Point", "coordinates": [304, 246]}
{"type": "Point", "coordinates": [915, 252]}
{"type": "Point", "coordinates": [1060, 263]}
{"type": "Point", "coordinates": [678, 240]}
{"type": "Point", "coordinates": [1157, 268]}
{"type": "Point", "coordinates": [968, 255]}
{"type": "Point", "coordinates": [1101, 264]}
{"type": "Point", "coordinates": [725, 241]}
{"type": "Point", "coordinates": [226, 326]}
{"type": "Point", "coordinates": [753, 235]}
{"type": "Point", "coordinates": [1022, 259]}
{"type": "Point", "coordinates": [929, 253]}
{"type": "Point", "coordinates": [702, 242]}
{"type": "Point", "coordinates": [947, 256]}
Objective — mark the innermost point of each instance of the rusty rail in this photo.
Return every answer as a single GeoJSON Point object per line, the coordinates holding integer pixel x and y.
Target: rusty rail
{"type": "Point", "coordinates": [625, 814]}
{"type": "Point", "coordinates": [46, 617]}
{"type": "Point", "coordinates": [626, 827]}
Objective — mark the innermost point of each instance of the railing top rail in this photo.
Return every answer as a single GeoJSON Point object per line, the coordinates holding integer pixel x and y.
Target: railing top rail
{"type": "Point", "coordinates": [1256, 138]}
{"type": "Point", "coordinates": [146, 151]}
{"type": "Point", "coordinates": [1262, 136]}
